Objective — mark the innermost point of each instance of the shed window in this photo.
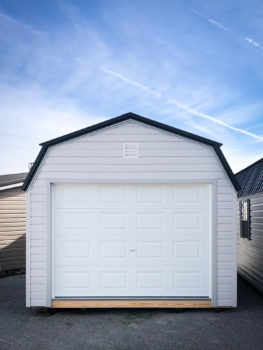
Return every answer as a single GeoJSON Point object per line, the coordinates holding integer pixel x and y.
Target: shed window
{"type": "Point", "coordinates": [244, 210]}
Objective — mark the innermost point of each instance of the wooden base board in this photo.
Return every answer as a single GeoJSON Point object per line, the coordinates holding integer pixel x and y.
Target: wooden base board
{"type": "Point", "coordinates": [94, 304]}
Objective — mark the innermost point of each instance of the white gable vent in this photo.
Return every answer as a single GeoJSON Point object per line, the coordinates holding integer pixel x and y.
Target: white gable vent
{"type": "Point", "coordinates": [130, 150]}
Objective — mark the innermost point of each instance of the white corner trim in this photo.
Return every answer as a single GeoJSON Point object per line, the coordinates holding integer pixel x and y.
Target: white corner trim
{"type": "Point", "coordinates": [49, 275]}
{"type": "Point", "coordinates": [213, 244]}
{"type": "Point", "coordinates": [234, 251]}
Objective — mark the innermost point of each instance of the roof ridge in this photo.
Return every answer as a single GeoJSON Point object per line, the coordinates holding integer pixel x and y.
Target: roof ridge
{"type": "Point", "coordinates": [124, 117]}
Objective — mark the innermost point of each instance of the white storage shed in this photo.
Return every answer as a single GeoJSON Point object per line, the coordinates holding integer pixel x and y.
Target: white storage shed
{"type": "Point", "coordinates": [131, 213]}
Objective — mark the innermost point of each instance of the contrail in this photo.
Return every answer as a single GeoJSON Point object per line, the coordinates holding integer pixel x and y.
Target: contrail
{"type": "Point", "coordinates": [222, 27]}
{"type": "Point", "coordinates": [182, 106]}
{"type": "Point", "coordinates": [210, 20]}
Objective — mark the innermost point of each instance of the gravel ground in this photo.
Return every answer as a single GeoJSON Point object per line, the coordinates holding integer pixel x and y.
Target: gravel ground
{"type": "Point", "coordinates": [24, 329]}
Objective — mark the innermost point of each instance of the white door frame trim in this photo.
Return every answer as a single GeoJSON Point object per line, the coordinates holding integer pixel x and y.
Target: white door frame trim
{"type": "Point", "coordinates": [53, 181]}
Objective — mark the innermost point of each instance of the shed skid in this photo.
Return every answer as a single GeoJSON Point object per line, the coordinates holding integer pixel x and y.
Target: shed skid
{"type": "Point", "coordinates": [130, 304]}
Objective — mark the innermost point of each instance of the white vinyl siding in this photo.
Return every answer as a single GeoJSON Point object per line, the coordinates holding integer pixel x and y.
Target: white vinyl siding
{"type": "Point", "coordinates": [163, 157]}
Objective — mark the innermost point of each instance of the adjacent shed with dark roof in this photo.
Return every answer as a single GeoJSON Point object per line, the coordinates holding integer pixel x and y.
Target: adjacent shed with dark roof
{"type": "Point", "coordinates": [250, 227]}
{"type": "Point", "coordinates": [12, 222]}
{"type": "Point", "coordinates": [131, 212]}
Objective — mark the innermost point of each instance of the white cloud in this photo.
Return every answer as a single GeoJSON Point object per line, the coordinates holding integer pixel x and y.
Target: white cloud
{"type": "Point", "coordinates": [34, 117]}
{"type": "Point", "coordinates": [222, 27]}
{"type": "Point", "coordinates": [14, 22]}
{"type": "Point", "coordinates": [217, 24]}
{"type": "Point", "coordinates": [182, 106]}
{"type": "Point", "coordinates": [51, 85]}
{"type": "Point", "coordinates": [253, 42]}
{"type": "Point", "coordinates": [201, 14]}
{"type": "Point", "coordinates": [210, 20]}
{"type": "Point", "coordinates": [131, 82]}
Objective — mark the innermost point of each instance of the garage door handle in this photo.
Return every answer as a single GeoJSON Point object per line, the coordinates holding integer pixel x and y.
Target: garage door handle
{"type": "Point", "coordinates": [132, 250]}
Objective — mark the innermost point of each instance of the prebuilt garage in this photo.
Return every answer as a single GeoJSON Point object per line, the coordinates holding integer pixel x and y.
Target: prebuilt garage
{"type": "Point", "coordinates": [131, 213]}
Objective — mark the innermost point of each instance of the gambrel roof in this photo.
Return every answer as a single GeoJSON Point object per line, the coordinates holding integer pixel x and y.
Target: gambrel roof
{"type": "Point", "coordinates": [135, 117]}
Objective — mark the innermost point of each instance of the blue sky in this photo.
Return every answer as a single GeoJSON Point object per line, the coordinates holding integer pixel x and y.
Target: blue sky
{"type": "Point", "coordinates": [196, 65]}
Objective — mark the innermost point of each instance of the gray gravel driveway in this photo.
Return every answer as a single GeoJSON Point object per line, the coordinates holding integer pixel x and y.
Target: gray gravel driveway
{"type": "Point", "coordinates": [26, 329]}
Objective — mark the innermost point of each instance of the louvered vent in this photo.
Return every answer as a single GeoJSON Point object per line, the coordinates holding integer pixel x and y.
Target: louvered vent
{"type": "Point", "coordinates": [130, 150]}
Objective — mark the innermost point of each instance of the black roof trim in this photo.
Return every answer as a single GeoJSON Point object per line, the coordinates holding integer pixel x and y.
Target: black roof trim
{"type": "Point", "coordinates": [33, 169]}
{"type": "Point", "coordinates": [227, 168]}
{"type": "Point", "coordinates": [123, 118]}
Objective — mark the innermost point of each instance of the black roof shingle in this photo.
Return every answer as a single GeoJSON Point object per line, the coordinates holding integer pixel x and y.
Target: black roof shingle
{"type": "Point", "coordinates": [251, 179]}
{"type": "Point", "coordinates": [12, 179]}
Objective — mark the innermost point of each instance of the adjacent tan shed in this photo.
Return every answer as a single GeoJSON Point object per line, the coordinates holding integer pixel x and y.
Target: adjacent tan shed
{"type": "Point", "coordinates": [12, 223]}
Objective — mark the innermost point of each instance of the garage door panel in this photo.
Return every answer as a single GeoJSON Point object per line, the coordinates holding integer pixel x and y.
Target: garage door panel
{"type": "Point", "coordinates": [192, 283]}
{"type": "Point", "coordinates": [68, 220]}
{"type": "Point", "coordinates": [191, 196]}
{"type": "Point", "coordinates": [69, 282]}
{"type": "Point", "coordinates": [76, 220]}
{"type": "Point", "coordinates": [71, 195]}
{"type": "Point", "coordinates": [130, 240]}
{"type": "Point", "coordinates": [189, 221]}
{"type": "Point", "coordinates": [149, 280]}
{"type": "Point", "coordinates": [72, 252]}
{"type": "Point", "coordinates": [187, 250]}
{"type": "Point", "coordinates": [150, 194]}
{"type": "Point", "coordinates": [109, 194]}
{"type": "Point", "coordinates": [113, 279]}
{"type": "Point", "coordinates": [186, 194]}
{"type": "Point", "coordinates": [113, 221]}
{"type": "Point", "coordinates": [150, 221]}
{"type": "Point", "coordinates": [150, 249]}
{"type": "Point", "coordinates": [113, 249]}
{"type": "Point", "coordinates": [75, 194]}
{"type": "Point", "coordinates": [116, 281]}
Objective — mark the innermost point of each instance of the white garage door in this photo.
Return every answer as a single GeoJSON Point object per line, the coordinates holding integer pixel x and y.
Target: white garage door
{"type": "Point", "coordinates": [131, 240]}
